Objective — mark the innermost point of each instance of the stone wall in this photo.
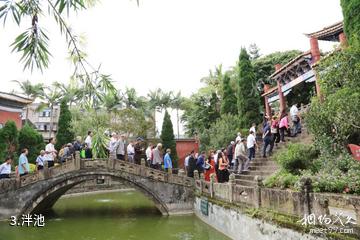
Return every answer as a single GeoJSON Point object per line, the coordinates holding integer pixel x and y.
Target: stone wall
{"type": "Point", "coordinates": [283, 201]}
{"type": "Point", "coordinates": [239, 226]}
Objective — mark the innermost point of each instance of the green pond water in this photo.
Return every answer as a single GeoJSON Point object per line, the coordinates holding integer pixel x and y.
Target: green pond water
{"type": "Point", "coordinates": [111, 216]}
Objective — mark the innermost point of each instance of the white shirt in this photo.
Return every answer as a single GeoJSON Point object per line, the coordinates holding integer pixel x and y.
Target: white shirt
{"type": "Point", "coordinates": [238, 138]}
{"type": "Point", "coordinates": [5, 168]}
{"type": "Point", "coordinates": [294, 110]}
{"type": "Point", "coordinates": [51, 149]}
{"type": "Point", "coordinates": [250, 142]}
{"type": "Point", "coordinates": [130, 150]}
{"type": "Point", "coordinates": [253, 129]}
{"type": "Point", "coordinates": [112, 144]}
{"type": "Point", "coordinates": [88, 141]}
{"type": "Point", "coordinates": [187, 161]}
{"type": "Point", "coordinates": [40, 160]}
{"type": "Point", "coordinates": [148, 153]}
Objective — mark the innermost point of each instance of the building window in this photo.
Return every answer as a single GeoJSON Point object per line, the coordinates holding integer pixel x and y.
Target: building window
{"type": "Point", "coordinates": [45, 128]}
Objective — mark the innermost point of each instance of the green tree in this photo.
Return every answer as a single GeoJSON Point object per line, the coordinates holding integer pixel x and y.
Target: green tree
{"type": "Point", "coordinates": [64, 133]}
{"type": "Point", "coordinates": [351, 9]}
{"type": "Point", "coordinates": [8, 139]}
{"type": "Point", "coordinates": [31, 91]}
{"type": "Point", "coordinates": [220, 133]}
{"type": "Point", "coordinates": [168, 139]}
{"type": "Point", "coordinates": [247, 96]}
{"type": "Point", "coordinates": [29, 138]}
{"type": "Point", "coordinates": [228, 103]}
{"type": "Point", "coordinates": [130, 121]}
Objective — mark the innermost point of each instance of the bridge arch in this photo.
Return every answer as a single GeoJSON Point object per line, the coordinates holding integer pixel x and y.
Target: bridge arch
{"type": "Point", "coordinates": [45, 198]}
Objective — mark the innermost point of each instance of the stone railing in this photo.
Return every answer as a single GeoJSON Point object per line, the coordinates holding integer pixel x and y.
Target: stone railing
{"type": "Point", "coordinates": [286, 201]}
{"type": "Point", "coordinates": [105, 165]}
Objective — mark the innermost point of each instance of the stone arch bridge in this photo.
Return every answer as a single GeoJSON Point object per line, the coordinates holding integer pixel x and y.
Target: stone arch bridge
{"type": "Point", "coordinates": [38, 192]}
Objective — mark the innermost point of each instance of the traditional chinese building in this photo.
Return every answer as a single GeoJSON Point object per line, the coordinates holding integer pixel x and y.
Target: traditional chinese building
{"type": "Point", "coordinates": [298, 75]}
{"type": "Point", "coordinates": [11, 108]}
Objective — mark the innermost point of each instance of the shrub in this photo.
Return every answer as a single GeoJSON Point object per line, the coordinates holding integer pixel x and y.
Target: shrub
{"type": "Point", "coordinates": [29, 138]}
{"type": "Point", "coordinates": [296, 157]}
{"type": "Point", "coordinates": [8, 140]}
{"type": "Point", "coordinates": [282, 179]}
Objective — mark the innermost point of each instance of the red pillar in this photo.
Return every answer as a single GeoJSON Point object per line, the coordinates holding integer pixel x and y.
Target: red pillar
{"type": "Point", "coordinates": [280, 93]}
{"type": "Point", "coordinates": [267, 106]}
{"type": "Point", "coordinates": [315, 53]}
{"type": "Point", "coordinates": [342, 39]}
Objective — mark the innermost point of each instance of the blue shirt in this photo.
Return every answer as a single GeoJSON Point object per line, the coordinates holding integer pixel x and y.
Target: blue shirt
{"type": "Point", "coordinates": [167, 161]}
{"type": "Point", "coordinates": [267, 129]}
{"type": "Point", "coordinates": [200, 162]}
{"type": "Point", "coordinates": [23, 161]}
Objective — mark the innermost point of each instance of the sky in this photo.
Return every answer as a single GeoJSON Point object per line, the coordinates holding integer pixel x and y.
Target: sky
{"type": "Point", "coordinates": [171, 44]}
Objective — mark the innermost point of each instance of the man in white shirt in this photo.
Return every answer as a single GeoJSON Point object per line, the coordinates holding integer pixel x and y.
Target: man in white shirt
{"type": "Point", "coordinates": [148, 154]}
{"type": "Point", "coordinates": [295, 118]}
{"type": "Point", "coordinates": [120, 148]}
{"type": "Point", "coordinates": [112, 144]}
{"type": "Point", "coordinates": [186, 162]}
{"type": "Point", "coordinates": [50, 152]}
{"type": "Point", "coordinates": [5, 168]}
{"type": "Point", "coordinates": [88, 141]}
{"type": "Point", "coordinates": [251, 144]}
{"type": "Point", "coordinates": [130, 152]}
{"type": "Point", "coordinates": [253, 129]}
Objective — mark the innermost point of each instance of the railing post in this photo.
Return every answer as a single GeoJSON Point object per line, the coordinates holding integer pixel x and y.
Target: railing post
{"type": "Point", "coordinates": [305, 184]}
{"type": "Point", "coordinates": [196, 174]}
{"type": "Point", "coordinates": [231, 185]}
{"type": "Point", "coordinates": [257, 191]}
{"type": "Point", "coordinates": [77, 161]}
{"type": "Point", "coordinates": [46, 170]}
{"type": "Point", "coordinates": [212, 180]}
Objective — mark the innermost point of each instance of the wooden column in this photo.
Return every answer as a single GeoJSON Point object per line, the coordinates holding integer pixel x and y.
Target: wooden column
{"type": "Point", "coordinates": [280, 93]}
{"type": "Point", "coordinates": [315, 53]}
{"type": "Point", "coordinates": [342, 39]}
{"type": "Point", "coordinates": [267, 106]}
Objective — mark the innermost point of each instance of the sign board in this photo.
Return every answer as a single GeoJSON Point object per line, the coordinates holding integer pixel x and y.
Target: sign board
{"type": "Point", "coordinates": [204, 205]}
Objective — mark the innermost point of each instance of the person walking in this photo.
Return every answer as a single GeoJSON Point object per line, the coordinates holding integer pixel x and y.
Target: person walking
{"type": "Point", "coordinates": [295, 118]}
{"type": "Point", "coordinates": [267, 138]}
{"type": "Point", "coordinates": [191, 164]}
{"type": "Point", "coordinates": [251, 144]}
{"type": "Point", "coordinates": [283, 125]}
{"type": "Point", "coordinates": [50, 152]}
{"type": "Point", "coordinates": [211, 163]}
{"type": "Point", "coordinates": [88, 141]}
{"type": "Point", "coordinates": [130, 152]}
{"type": "Point", "coordinates": [240, 154]}
{"type": "Point", "coordinates": [148, 153]}
{"type": "Point", "coordinates": [275, 133]}
{"type": "Point", "coordinates": [230, 153]}
{"type": "Point", "coordinates": [200, 162]}
{"type": "Point", "coordinates": [167, 160]}
{"type": "Point", "coordinates": [223, 168]}
{"type": "Point", "coordinates": [120, 148]}
{"type": "Point", "coordinates": [5, 168]}
{"type": "Point", "coordinates": [40, 160]}
{"type": "Point", "coordinates": [138, 150]}
{"type": "Point", "coordinates": [157, 157]}
{"type": "Point", "coordinates": [23, 167]}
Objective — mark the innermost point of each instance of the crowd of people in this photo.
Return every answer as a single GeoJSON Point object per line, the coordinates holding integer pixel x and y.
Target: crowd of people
{"type": "Point", "coordinates": [240, 152]}
{"type": "Point", "coordinates": [236, 156]}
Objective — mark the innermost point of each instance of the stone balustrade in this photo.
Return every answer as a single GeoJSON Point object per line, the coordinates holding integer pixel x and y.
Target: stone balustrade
{"type": "Point", "coordinates": [77, 164]}
{"type": "Point", "coordinates": [283, 201]}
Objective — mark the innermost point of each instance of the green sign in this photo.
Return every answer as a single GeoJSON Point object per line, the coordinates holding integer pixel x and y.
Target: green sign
{"type": "Point", "coordinates": [204, 207]}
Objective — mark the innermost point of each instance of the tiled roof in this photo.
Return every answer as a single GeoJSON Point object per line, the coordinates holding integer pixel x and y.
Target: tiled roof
{"type": "Point", "coordinates": [289, 63]}
{"type": "Point", "coordinates": [327, 32]}
{"type": "Point", "coordinates": [15, 98]}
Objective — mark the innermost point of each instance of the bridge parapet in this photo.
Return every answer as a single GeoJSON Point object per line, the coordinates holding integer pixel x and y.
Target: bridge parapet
{"type": "Point", "coordinates": [90, 164]}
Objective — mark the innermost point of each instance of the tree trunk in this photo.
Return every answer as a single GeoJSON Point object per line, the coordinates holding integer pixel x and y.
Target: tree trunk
{"type": "Point", "coordinates": [51, 120]}
{"type": "Point", "coordinates": [177, 122]}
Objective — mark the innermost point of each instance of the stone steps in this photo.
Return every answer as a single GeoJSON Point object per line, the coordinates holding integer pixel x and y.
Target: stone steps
{"type": "Point", "coordinates": [245, 182]}
{"type": "Point", "coordinates": [244, 177]}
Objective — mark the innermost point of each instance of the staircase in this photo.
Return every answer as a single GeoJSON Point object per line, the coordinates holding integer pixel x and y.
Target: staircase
{"type": "Point", "coordinates": [264, 167]}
